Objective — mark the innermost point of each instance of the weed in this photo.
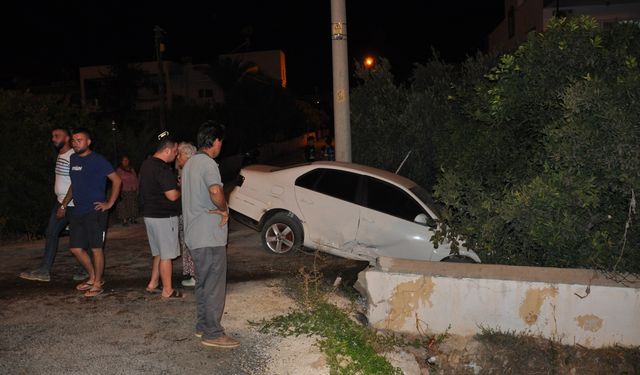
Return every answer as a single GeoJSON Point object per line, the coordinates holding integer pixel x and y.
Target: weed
{"type": "Point", "coordinates": [498, 337]}
{"type": "Point", "coordinates": [350, 347]}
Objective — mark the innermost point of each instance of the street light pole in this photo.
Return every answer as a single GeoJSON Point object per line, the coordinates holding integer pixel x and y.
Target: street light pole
{"type": "Point", "coordinates": [341, 119]}
{"type": "Point", "coordinates": [159, 33]}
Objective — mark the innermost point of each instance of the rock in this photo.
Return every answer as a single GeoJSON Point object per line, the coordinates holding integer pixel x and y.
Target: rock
{"type": "Point", "coordinates": [405, 361]}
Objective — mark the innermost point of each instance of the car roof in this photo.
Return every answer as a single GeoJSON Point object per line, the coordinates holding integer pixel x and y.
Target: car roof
{"type": "Point", "coordinates": [358, 168]}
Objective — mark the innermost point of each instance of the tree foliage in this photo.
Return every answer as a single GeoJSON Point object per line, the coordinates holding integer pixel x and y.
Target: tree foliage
{"type": "Point", "coordinates": [536, 152]}
{"type": "Point", "coordinates": [256, 109]}
{"type": "Point", "coordinates": [553, 162]}
{"type": "Point", "coordinates": [28, 159]}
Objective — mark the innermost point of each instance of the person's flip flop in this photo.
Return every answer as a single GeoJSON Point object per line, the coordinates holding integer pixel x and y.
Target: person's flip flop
{"type": "Point", "coordinates": [155, 290]}
{"type": "Point", "coordinates": [93, 292]}
{"type": "Point", "coordinates": [174, 294]}
{"type": "Point", "coordinates": [86, 286]}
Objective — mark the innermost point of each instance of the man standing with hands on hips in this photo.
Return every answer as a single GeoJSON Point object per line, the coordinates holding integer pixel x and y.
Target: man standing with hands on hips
{"type": "Point", "coordinates": [89, 172]}
{"type": "Point", "coordinates": [205, 214]}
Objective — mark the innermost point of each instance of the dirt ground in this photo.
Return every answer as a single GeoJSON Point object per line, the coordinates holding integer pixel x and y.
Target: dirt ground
{"type": "Point", "coordinates": [50, 328]}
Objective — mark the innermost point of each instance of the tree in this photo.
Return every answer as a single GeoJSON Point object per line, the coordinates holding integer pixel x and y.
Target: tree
{"type": "Point", "coordinates": [26, 189]}
{"type": "Point", "coordinates": [548, 161]}
{"type": "Point", "coordinates": [257, 109]}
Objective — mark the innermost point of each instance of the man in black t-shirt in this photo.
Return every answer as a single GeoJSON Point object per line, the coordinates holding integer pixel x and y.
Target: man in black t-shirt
{"type": "Point", "coordinates": [161, 208]}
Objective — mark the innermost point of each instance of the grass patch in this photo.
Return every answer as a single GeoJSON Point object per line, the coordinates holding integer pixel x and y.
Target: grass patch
{"type": "Point", "coordinates": [350, 347]}
{"type": "Point", "coordinates": [503, 353]}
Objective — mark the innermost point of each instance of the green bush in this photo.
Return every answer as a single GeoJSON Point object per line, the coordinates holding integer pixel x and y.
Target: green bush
{"type": "Point", "coordinates": [535, 152]}
{"type": "Point", "coordinates": [28, 159]}
{"type": "Point", "coordinates": [551, 158]}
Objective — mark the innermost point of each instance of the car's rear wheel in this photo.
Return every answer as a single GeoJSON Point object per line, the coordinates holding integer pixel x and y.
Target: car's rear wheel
{"type": "Point", "coordinates": [282, 233]}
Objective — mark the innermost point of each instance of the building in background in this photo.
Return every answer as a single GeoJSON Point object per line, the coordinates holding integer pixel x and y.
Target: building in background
{"type": "Point", "coordinates": [185, 83]}
{"type": "Point", "coordinates": [524, 16]}
{"type": "Point", "coordinates": [269, 63]}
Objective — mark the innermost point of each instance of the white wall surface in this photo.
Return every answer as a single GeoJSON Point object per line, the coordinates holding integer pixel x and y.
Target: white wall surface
{"type": "Point", "coordinates": [554, 303]}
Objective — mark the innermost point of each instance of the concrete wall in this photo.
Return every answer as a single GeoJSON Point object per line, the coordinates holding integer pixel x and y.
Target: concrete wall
{"type": "Point", "coordinates": [571, 306]}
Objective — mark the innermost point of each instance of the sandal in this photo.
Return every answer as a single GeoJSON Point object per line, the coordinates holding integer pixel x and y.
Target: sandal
{"type": "Point", "coordinates": [174, 294]}
{"type": "Point", "coordinates": [94, 292]}
{"type": "Point", "coordinates": [87, 285]}
{"type": "Point", "coordinates": [84, 286]}
{"type": "Point", "coordinates": [155, 290]}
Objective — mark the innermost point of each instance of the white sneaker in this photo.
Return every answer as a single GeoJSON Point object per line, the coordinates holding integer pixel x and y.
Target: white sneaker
{"type": "Point", "coordinates": [189, 282]}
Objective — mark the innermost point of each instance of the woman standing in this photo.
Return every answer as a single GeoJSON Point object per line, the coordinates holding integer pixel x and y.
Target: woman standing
{"type": "Point", "coordinates": [185, 151]}
{"type": "Point", "coordinates": [127, 209]}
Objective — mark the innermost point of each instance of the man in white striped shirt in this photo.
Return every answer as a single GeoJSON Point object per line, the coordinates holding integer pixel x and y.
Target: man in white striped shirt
{"type": "Point", "coordinates": [60, 138]}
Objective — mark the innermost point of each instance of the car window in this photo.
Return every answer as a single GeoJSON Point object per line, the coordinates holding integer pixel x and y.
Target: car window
{"type": "Point", "coordinates": [428, 201]}
{"type": "Point", "coordinates": [384, 197]}
{"type": "Point", "coordinates": [333, 182]}
{"type": "Point", "coordinates": [309, 179]}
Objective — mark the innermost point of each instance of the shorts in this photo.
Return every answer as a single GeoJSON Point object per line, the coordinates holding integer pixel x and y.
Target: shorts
{"type": "Point", "coordinates": [163, 236]}
{"type": "Point", "coordinates": [88, 231]}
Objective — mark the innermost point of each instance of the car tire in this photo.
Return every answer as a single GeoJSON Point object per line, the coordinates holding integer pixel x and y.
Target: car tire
{"type": "Point", "coordinates": [282, 233]}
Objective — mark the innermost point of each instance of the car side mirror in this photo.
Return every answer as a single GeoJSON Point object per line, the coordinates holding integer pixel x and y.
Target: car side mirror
{"type": "Point", "coordinates": [425, 220]}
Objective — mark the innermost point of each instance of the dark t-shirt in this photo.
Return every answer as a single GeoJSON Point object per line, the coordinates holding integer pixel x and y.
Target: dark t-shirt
{"type": "Point", "coordinates": [156, 177]}
{"type": "Point", "coordinates": [88, 180]}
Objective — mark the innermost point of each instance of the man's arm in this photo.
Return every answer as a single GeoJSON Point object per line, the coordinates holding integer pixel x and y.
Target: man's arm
{"type": "Point", "coordinates": [216, 193]}
{"type": "Point", "coordinates": [65, 202]}
{"type": "Point", "coordinates": [172, 195]}
{"type": "Point", "coordinates": [116, 184]}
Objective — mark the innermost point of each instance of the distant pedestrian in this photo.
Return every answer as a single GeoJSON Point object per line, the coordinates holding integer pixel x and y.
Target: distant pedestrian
{"type": "Point", "coordinates": [60, 138]}
{"type": "Point", "coordinates": [127, 208]}
{"type": "Point", "coordinates": [206, 214]}
{"type": "Point", "coordinates": [185, 151]}
{"type": "Point", "coordinates": [329, 152]}
{"type": "Point", "coordinates": [161, 209]}
{"type": "Point", "coordinates": [89, 173]}
{"type": "Point", "coordinates": [310, 149]}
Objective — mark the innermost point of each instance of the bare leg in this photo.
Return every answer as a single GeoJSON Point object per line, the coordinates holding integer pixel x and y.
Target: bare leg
{"type": "Point", "coordinates": [166, 269]}
{"type": "Point", "coordinates": [85, 260]}
{"type": "Point", "coordinates": [98, 265]}
{"type": "Point", "coordinates": [155, 273]}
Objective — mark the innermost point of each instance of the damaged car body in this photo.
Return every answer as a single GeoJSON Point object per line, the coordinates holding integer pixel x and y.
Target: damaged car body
{"type": "Point", "coordinates": [345, 209]}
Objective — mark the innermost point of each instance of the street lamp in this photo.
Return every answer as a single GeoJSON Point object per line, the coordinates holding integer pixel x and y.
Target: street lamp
{"type": "Point", "coordinates": [369, 62]}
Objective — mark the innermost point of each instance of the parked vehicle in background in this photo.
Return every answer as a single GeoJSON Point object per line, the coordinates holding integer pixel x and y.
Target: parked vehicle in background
{"type": "Point", "coordinates": [344, 209]}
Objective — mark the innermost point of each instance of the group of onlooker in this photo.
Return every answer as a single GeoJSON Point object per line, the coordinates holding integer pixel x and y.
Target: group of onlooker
{"type": "Point", "coordinates": [185, 213]}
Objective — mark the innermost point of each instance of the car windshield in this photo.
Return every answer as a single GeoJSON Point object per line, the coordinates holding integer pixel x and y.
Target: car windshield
{"type": "Point", "coordinates": [426, 198]}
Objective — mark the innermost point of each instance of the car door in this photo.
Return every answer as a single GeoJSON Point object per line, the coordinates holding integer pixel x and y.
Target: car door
{"type": "Point", "coordinates": [326, 198]}
{"type": "Point", "coordinates": [387, 225]}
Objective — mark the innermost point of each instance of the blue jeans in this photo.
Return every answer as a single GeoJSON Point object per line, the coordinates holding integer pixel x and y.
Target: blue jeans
{"type": "Point", "coordinates": [54, 228]}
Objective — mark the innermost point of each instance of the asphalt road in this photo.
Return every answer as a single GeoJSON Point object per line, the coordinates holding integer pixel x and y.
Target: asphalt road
{"type": "Point", "coordinates": [50, 328]}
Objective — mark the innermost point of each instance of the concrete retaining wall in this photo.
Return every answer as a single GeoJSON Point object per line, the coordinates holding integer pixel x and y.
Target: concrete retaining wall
{"type": "Point", "coordinates": [571, 306]}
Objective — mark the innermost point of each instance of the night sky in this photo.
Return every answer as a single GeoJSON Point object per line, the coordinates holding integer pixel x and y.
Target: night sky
{"type": "Point", "coordinates": [46, 41]}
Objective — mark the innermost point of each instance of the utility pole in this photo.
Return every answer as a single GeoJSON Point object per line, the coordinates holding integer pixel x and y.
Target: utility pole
{"type": "Point", "coordinates": [159, 39]}
{"type": "Point", "coordinates": [341, 116]}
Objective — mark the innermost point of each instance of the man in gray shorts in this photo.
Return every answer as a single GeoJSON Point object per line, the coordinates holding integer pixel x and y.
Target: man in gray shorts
{"type": "Point", "coordinates": [161, 209]}
{"type": "Point", "coordinates": [205, 214]}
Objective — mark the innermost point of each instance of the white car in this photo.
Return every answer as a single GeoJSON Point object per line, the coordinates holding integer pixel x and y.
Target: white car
{"type": "Point", "coordinates": [345, 209]}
